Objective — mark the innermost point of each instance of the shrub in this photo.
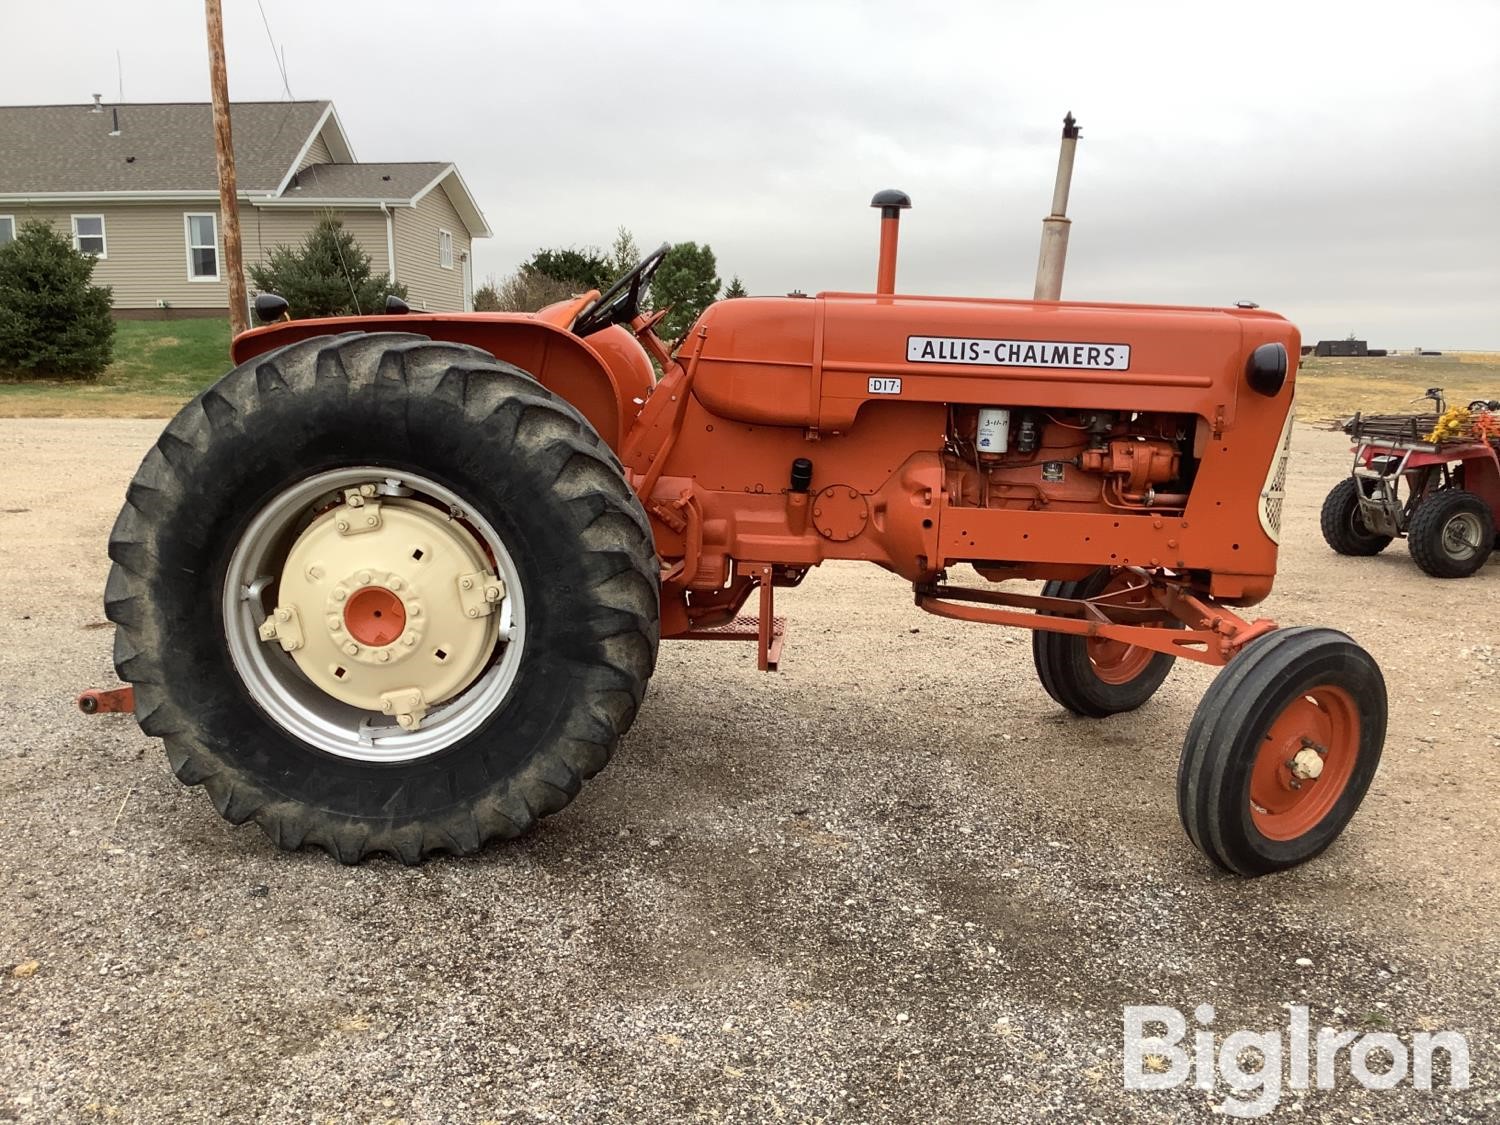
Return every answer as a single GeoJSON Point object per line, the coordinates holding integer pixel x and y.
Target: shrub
{"type": "Point", "coordinates": [328, 275]}
{"type": "Point", "coordinates": [525, 290]}
{"type": "Point", "coordinates": [54, 321]}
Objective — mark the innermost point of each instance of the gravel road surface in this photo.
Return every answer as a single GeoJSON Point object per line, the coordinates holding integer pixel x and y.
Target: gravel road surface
{"type": "Point", "coordinates": [893, 882]}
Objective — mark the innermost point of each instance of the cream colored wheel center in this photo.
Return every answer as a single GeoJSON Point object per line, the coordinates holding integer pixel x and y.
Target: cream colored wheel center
{"type": "Point", "coordinates": [389, 605]}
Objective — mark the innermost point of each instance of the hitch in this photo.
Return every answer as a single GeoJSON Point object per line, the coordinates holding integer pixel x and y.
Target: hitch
{"type": "Point", "coordinates": [107, 701]}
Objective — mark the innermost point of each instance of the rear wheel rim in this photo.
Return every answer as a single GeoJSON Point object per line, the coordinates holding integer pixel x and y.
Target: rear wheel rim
{"type": "Point", "coordinates": [1462, 536]}
{"type": "Point", "coordinates": [294, 702]}
{"type": "Point", "coordinates": [1117, 662]}
{"type": "Point", "coordinates": [1304, 764]}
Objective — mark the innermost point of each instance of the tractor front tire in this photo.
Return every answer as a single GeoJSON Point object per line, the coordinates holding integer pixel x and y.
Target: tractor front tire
{"type": "Point", "coordinates": [1090, 676]}
{"type": "Point", "coordinates": [1452, 534]}
{"type": "Point", "coordinates": [1281, 750]}
{"type": "Point", "coordinates": [453, 478]}
{"type": "Point", "coordinates": [1343, 528]}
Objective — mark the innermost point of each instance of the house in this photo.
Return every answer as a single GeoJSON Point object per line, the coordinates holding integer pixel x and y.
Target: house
{"type": "Point", "coordinates": [136, 185]}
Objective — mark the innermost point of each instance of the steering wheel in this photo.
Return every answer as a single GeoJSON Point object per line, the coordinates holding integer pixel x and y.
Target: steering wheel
{"type": "Point", "coordinates": [621, 302]}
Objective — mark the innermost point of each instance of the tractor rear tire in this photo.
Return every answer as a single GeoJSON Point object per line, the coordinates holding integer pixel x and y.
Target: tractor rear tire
{"type": "Point", "coordinates": [1281, 750]}
{"type": "Point", "coordinates": [1343, 528]}
{"type": "Point", "coordinates": [509, 456]}
{"type": "Point", "coordinates": [1094, 678]}
{"type": "Point", "coordinates": [1452, 534]}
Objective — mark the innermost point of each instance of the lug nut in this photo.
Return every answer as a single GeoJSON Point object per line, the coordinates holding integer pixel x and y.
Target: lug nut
{"type": "Point", "coordinates": [394, 583]}
{"type": "Point", "coordinates": [364, 578]}
{"type": "Point", "coordinates": [384, 655]}
{"type": "Point", "coordinates": [336, 624]}
{"type": "Point", "coordinates": [339, 593]}
{"type": "Point", "coordinates": [352, 649]}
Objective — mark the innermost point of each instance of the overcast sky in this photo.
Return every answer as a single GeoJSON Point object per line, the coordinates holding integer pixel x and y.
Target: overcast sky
{"type": "Point", "coordinates": [1339, 163]}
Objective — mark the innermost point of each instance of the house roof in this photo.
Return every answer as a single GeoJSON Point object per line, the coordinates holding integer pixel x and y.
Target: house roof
{"type": "Point", "coordinates": [388, 182]}
{"type": "Point", "coordinates": [164, 149]}
{"type": "Point", "coordinates": [58, 149]}
{"type": "Point", "coordinates": [398, 184]}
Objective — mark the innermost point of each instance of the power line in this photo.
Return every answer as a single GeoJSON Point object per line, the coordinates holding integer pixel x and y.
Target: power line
{"type": "Point", "coordinates": [278, 56]}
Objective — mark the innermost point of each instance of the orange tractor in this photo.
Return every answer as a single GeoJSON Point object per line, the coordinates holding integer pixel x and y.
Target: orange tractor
{"type": "Point", "coordinates": [395, 583]}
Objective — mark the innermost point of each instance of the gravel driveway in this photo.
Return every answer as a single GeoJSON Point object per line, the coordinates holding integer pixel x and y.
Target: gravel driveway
{"type": "Point", "coordinates": [893, 882]}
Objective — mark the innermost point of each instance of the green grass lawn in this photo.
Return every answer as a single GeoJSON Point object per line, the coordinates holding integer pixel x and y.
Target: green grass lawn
{"type": "Point", "coordinates": [158, 365]}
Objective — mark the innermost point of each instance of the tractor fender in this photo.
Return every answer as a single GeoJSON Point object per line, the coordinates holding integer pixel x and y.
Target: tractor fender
{"type": "Point", "coordinates": [605, 377]}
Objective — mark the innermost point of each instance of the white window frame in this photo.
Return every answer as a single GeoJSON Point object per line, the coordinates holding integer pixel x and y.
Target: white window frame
{"type": "Point", "coordinates": [187, 235]}
{"type": "Point", "coordinates": [445, 248]}
{"type": "Point", "coordinates": [12, 220]}
{"type": "Point", "coordinates": [103, 237]}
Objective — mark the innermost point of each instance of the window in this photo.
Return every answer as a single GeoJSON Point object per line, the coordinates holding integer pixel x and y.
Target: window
{"type": "Point", "coordinates": [202, 246]}
{"type": "Point", "coordinates": [445, 249]}
{"type": "Point", "coordinates": [88, 235]}
{"type": "Point", "coordinates": [7, 229]}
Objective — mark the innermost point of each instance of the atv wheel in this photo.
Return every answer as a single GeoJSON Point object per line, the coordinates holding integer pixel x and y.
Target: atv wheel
{"type": "Point", "coordinates": [1452, 534]}
{"type": "Point", "coordinates": [1281, 750]}
{"type": "Point", "coordinates": [1092, 676]}
{"type": "Point", "coordinates": [381, 594]}
{"type": "Point", "coordinates": [1343, 528]}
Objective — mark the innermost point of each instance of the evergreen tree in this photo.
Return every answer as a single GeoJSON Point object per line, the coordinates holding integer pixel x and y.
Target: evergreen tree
{"type": "Point", "coordinates": [623, 255]}
{"type": "Point", "coordinates": [328, 275]}
{"type": "Point", "coordinates": [735, 288]}
{"type": "Point", "coordinates": [582, 270]}
{"type": "Point", "coordinates": [53, 320]}
{"type": "Point", "coordinates": [688, 281]}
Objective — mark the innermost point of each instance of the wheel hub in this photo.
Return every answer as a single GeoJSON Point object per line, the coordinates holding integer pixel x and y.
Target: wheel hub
{"type": "Point", "coordinates": [388, 606]}
{"type": "Point", "coordinates": [375, 616]}
{"type": "Point", "coordinates": [1307, 764]}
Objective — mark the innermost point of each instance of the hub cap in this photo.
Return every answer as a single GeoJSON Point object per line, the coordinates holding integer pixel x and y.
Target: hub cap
{"type": "Point", "coordinates": [374, 617]}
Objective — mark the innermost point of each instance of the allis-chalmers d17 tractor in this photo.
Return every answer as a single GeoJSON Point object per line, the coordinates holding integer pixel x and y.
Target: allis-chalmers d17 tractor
{"type": "Point", "coordinates": [395, 583]}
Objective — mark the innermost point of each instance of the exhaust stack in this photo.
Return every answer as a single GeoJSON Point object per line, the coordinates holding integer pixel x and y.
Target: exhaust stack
{"type": "Point", "coordinates": [891, 203]}
{"type": "Point", "coordinates": [1054, 255]}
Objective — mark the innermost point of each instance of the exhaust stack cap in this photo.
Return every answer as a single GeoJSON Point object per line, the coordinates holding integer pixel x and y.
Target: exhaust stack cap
{"type": "Point", "coordinates": [891, 202]}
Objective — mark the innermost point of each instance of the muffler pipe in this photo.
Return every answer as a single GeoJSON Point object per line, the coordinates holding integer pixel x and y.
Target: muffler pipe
{"type": "Point", "coordinates": [1054, 255]}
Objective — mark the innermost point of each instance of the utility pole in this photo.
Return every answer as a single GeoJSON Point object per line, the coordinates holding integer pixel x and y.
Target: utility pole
{"type": "Point", "coordinates": [1054, 255]}
{"type": "Point", "coordinates": [229, 208]}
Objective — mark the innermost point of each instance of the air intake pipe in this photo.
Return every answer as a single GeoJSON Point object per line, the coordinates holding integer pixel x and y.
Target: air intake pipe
{"type": "Point", "coordinates": [891, 203]}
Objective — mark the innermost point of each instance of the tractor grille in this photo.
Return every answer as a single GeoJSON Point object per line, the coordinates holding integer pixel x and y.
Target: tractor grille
{"type": "Point", "coordinates": [1274, 493]}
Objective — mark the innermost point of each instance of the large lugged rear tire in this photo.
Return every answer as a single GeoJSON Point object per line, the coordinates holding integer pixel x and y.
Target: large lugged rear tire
{"type": "Point", "coordinates": [1343, 528]}
{"type": "Point", "coordinates": [1452, 534]}
{"type": "Point", "coordinates": [533, 673]}
{"type": "Point", "coordinates": [1092, 677]}
{"type": "Point", "coordinates": [1281, 750]}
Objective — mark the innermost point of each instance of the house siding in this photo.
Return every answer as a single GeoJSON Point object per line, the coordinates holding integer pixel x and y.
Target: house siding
{"type": "Point", "coordinates": [318, 153]}
{"type": "Point", "coordinates": [146, 246]}
{"type": "Point", "coordinates": [429, 285]}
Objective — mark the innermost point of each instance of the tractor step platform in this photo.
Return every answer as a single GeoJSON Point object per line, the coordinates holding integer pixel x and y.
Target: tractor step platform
{"type": "Point", "coordinates": [745, 629]}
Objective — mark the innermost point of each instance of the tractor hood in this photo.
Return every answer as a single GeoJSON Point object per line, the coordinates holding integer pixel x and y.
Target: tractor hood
{"type": "Point", "coordinates": [814, 362]}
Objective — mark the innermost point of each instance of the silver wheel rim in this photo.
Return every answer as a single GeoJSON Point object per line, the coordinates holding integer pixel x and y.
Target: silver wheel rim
{"type": "Point", "coordinates": [1461, 535]}
{"type": "Point", "coordinates": [293, 701]}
